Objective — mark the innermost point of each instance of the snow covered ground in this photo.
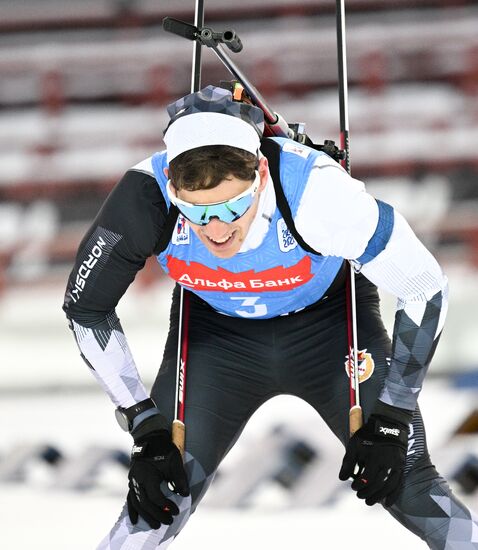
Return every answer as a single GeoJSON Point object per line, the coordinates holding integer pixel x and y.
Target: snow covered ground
{"type": "Point", "coordinates": [48, 396]}
{"type": "Point", "coordinates": [38, 515]}
{"type": "Point", "coordinates": [78, 522]}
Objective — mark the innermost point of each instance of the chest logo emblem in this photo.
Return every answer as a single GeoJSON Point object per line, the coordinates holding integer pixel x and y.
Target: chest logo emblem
{"type": "Point", "coordinates": [286, 240]}
{"type": "Point", "coordinates": [366, 366]}
{"type": "Point", "coordinates": [181, 231]}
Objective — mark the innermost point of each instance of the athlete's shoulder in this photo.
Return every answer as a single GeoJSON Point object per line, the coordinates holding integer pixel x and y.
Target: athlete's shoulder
{"type": "Point", "coordinates": [144, 167]}
{"type": "Point", "coordinates": [316, 157]}
{"type": "Point", "coordinates": [323, 160]}
{"type": "Point", "coordinates": [138, 189]}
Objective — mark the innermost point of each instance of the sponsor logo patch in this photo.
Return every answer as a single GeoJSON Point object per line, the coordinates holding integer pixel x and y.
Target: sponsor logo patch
{"type": "Point", "coordinates": [181, 232]}
{"type": "Point", "coordinates": [296, 149]}
{"type": "Point", "coordinates": [389, 431]}
{"type": "Point", "coordinates": [286, 240]}
{"type": "Point", "coordinates": [200, 277]}
{"type": "Point", "coordinates": [366, 365]}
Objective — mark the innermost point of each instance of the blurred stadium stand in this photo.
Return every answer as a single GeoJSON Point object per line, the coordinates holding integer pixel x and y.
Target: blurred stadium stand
{"type": "Point", "coordinates": [83, 90]}
{"type": "Point", "coordinates": [83, 87]}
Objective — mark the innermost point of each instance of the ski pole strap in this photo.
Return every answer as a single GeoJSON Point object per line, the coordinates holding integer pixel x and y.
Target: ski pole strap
{"type": "Point", "coordinates": [272, 150]}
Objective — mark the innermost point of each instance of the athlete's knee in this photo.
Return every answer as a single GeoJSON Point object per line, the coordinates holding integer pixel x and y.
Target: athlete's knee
{"type": "Point", "coordinates": [199, 480]}
{"type": "Point", "coordinates": [419, 481]}
{"type": "Point", "coordinates": [146, 538]}
{"type": "Point", "coordinates": [427, 507]}
{"type": "Point", "coordinates": [141, 535]}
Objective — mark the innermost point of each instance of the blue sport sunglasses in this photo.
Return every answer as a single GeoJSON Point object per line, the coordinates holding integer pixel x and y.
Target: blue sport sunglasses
{"type": "Point", "coordinates": [226, 211]}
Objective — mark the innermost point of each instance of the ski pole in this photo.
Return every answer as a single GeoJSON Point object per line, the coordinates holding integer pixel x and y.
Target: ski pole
{"type": "Point", "coordinates": [355, 414]}
{"type": "Point", "coordinates": [178, 427]}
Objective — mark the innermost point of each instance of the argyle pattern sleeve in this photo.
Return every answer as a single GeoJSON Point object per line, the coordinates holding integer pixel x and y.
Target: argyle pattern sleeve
{"type": "Point", "coordinates": [106, 352]}
{"type": "Point", "coordinates": [408, 270]}
{"type": "Point", "coordinates": [415, 338]}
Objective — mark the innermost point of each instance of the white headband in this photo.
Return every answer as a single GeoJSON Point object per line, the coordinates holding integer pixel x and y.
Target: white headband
{"type": "Point", "coordinates": [200, 129]}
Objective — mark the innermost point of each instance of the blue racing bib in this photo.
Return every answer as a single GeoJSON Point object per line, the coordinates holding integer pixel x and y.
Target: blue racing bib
{"type": "Point", "coordinates": [276, 278]}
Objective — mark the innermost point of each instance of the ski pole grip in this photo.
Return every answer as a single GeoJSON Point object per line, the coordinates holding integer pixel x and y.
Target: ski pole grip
{"type": "Point", "coordinates": [355, 419]}
{"type": "Point", "coordinates": [178, 435]}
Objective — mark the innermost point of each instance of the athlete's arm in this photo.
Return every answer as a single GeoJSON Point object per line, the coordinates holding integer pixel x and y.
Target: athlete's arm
{"type": "Point", "coordinates": [408, 270]}
{"type": "Point", "coordinates": [354, 225]}
{"type": "Point", "coordinates": [123, 235]}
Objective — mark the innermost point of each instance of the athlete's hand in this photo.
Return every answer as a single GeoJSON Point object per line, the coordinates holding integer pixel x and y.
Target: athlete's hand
{"type": "Point", "coordinates": [375, 459]}
{"type": "Point", "coordinates": [154, 459]}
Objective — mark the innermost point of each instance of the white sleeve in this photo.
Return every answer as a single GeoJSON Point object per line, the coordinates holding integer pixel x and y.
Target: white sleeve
{"type": "Point", "coordinates": [336, 216]}
{"type": "Point", "coordinates": [406, 268]}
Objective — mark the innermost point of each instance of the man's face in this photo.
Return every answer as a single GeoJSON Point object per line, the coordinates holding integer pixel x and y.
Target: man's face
{"type": "Point", "coordinates": [225, 239]}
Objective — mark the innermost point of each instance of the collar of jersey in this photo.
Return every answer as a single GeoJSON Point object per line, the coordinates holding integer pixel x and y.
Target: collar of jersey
{"type": "Point", "coordinates": [262, 220]}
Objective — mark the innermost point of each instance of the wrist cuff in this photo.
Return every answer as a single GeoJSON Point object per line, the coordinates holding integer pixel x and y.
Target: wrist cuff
{"type": "Point", "coordinates": [143, 416]}
{"type": "Point", "coordinates": [153, 423]}
{"type": "Point", "coordinates": [402, 416]}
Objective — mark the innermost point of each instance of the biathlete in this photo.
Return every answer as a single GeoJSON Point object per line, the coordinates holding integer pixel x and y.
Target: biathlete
{"type": "Point", "coordinates": [266, 316]}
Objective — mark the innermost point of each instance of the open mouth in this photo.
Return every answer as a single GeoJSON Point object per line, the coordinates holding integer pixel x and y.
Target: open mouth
{"type": "Point", "coordinates": [221, 243]}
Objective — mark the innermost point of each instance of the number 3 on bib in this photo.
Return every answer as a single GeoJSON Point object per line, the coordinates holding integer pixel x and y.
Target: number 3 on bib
{"type": "Point", "coordinates": [254, 309]}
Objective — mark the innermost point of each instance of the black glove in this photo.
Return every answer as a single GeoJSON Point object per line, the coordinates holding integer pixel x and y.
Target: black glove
{"type": "Point", "coordinates": [379, 449]}
{"type": "Point", "coordinates": [154, 459]}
